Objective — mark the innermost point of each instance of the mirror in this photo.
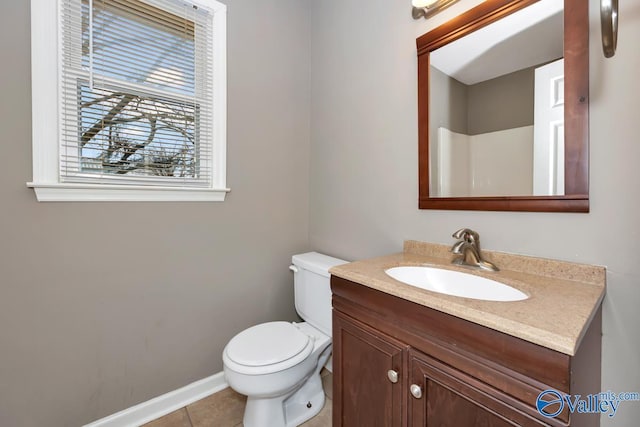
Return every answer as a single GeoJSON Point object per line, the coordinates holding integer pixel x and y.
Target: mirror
{"type": "Point", "coordinates": [503, 108]}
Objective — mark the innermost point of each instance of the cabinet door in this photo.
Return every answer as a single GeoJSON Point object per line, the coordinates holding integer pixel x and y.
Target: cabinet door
{"type": "Point", "coordinates": [365, 392]}
{"type": "Point", "coordinates": [441, 396]}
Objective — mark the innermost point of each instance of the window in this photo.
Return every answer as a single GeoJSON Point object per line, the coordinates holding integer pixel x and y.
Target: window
{"type": "Point", "coordinates": [129, 100]}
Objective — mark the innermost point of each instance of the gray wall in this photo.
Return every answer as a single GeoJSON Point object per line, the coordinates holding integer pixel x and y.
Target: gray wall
{"type": "Point", "coordinates": [500, 103]}
{"type": "Point", "coordinates": [364, 189]}
{"type": "Point", "coordinates": [505, 102]}
{"type": "Point", "coordinates": [448, 101]}
{"type": "Point", "coordinates": [95, 321]}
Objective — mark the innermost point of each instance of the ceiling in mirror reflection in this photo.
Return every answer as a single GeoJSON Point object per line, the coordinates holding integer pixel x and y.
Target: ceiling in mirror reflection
{"type": "Point", "coordinates": [523, 39]}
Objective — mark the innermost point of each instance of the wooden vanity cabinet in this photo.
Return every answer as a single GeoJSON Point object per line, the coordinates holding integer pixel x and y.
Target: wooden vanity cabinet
{"type": "Point", "coordinates": [398, 363]}
{"type": "Point", "coordinates": [449, 397]}
{"type": "Point", "coordinates": [368, 396]}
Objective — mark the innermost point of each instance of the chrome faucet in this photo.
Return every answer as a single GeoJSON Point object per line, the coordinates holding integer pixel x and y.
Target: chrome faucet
{"type": "Point", "coordinates": [469, 249]}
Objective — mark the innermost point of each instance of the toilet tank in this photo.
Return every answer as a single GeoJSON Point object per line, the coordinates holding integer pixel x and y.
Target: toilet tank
{"type": "Point", "coordinates": [312, 288]}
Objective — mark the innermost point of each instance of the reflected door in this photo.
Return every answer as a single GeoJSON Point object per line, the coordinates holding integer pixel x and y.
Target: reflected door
{"type": "Point", "coordinates": [548, 130]}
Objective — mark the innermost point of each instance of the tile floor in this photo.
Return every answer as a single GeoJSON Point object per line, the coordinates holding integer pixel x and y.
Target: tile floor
{"type": "Point", "coordinates": [225, 409]}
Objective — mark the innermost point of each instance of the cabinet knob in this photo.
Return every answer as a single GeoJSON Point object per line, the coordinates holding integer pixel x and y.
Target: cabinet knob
{"type": "Point", "coordinates": [392, 375]}
{"type": "Point", "coordinates": [416, 391]}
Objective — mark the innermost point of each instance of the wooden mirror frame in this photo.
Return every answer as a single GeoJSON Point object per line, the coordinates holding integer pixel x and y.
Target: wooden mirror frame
{"type": "Point", "coordinates": [576, 113]}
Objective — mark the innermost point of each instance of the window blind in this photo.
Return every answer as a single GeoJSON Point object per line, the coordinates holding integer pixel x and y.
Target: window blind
{"type": "Point", "coordinates": [136, 93]}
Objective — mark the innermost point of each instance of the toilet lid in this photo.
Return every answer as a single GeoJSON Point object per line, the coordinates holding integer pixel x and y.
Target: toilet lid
{"type": "Point", "coordinates": [267, 344]}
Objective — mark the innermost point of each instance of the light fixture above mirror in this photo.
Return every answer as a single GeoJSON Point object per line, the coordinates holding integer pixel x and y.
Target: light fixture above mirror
{"type": "Point", "coordinates": [427, 8]}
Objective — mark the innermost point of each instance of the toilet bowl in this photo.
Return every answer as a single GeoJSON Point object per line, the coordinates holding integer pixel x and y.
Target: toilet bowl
{"type": "Point", "coordinates": [277, 364]}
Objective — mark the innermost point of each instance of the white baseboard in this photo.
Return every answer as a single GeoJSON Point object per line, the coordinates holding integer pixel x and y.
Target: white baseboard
{"type": "Point", "coordinates": [163, 405]}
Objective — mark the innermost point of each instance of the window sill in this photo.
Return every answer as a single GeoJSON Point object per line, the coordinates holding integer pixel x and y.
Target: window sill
{"type": "Point", "coordinates": [121, 193]}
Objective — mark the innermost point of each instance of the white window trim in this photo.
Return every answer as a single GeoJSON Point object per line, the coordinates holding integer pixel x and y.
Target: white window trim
{"type": "Point", "coordinates": [45, 71]}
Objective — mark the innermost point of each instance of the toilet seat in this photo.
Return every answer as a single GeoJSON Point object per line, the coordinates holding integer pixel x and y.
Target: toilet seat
{"type": "Point", "coordinates": [267, 348]}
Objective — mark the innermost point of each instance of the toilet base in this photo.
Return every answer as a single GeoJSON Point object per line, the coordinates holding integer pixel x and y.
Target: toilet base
{"type": "Point", "coordinates": [303, 405]}
{"type": "Point", "coordinates": [306, 403]}
{"type": "Point", "coordinates": [261, 412]}
{"type": "Point", "coordinates": [289, 411]}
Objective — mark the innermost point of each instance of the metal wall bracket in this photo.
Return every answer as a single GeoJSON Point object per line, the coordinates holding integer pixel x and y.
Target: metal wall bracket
{"type": "Point", "coordinates": [609, 24]}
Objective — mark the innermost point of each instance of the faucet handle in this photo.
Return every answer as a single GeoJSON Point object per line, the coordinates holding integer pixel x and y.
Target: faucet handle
{"type": "Point", "coordinates": [466, 234]}
{"type": "Point", "coordinates": [457, 247]}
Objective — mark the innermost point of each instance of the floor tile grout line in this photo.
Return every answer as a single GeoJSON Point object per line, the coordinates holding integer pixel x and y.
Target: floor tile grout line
{"type": "Point", "coordinates": [186, 409]}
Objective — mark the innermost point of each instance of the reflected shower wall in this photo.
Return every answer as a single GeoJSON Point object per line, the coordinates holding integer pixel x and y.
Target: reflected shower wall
{"type": "Point", "coordinates": [489, 164]}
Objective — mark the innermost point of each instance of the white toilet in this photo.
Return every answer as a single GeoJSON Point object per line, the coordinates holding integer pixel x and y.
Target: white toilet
{"type": "Point", "coordinates": [277, 364]}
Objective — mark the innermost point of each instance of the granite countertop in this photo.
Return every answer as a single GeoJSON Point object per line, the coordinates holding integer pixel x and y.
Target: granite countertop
{"type": "Point", "coordinates": [563, 296]}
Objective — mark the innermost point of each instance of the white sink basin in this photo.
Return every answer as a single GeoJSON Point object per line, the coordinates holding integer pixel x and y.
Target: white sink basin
{"type": "Point", "coordinates": [455, 283]}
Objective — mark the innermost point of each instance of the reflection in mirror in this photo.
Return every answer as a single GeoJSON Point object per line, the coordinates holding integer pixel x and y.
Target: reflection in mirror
{"type": "Point", "coordinates": [496, 125]}
{"type": "Point", "coordinates": [495, 113]}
